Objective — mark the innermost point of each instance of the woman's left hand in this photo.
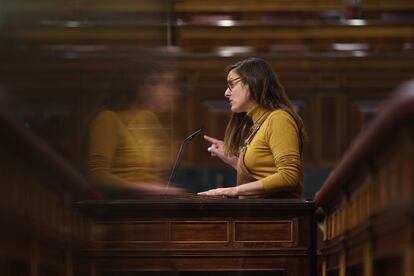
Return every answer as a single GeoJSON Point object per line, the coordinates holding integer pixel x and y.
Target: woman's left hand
{"type": "Point", "coordinates": [228, 192]}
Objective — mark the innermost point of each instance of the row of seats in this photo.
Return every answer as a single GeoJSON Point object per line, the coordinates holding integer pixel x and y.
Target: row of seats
{"type": "Point", "coordinates": [210, 6]}
{"type": "Point", "coordinates": [199, 26]}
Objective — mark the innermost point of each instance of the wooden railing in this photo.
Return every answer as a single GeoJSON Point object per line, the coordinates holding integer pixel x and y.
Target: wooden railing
{"type": "Point", "coordinates": [368, 198]}
{"type": "Point", "coordinates": [40, 232]}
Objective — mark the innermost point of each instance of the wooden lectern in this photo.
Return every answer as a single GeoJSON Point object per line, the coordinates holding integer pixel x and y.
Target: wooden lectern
{"type": "Point", "coordinates": [200, 235]}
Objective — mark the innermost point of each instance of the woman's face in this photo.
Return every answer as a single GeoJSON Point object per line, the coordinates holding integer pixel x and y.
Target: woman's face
{"type": "Point", "coordinates": [238, 94]}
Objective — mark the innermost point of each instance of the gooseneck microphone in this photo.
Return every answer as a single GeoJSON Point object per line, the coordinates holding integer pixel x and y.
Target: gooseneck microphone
{"type": "Point", "coordinates": [180, 153]}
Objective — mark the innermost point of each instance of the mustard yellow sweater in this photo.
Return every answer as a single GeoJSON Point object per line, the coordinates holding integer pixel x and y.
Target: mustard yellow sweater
{"type": "Point", "coordinates": [274, 152]}
{"type": "Point", "coordinates": [127, 146]}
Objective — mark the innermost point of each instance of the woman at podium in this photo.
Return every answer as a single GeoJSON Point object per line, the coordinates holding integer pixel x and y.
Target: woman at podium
{"type": "Point", "coordinates": [264, 137]}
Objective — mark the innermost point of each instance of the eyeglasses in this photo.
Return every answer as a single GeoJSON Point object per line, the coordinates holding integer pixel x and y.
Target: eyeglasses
{"type": "Point", "coordinates": [232, 83]}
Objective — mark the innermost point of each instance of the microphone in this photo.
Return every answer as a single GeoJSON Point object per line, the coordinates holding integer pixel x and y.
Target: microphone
{"type": "Point", "coordinates": [180, 153]}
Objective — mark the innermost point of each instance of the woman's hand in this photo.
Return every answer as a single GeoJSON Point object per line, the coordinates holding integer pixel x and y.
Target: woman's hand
{"type": "Point", "coordinates": [227, 192]}
{"type": "Point", "coordinates": [254, 188]}
{"type": "Point", "coordinates": [217, 149]}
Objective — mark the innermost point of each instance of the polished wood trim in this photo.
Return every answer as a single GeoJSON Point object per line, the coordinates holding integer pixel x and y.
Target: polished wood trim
{"type": "Point", "coordinates": [192, 239]}
{"type": "Point", "coordinates": [266, 223]}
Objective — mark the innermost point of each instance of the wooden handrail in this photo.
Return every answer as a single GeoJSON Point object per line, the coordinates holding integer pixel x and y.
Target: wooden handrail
{"type": "Point", "coordinates": [14, 134]}
{"type": "Point", "coordinates": [368, 148]}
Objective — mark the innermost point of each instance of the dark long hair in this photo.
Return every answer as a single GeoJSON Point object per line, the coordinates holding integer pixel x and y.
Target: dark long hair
{"type": "Point", "coordinates": [266, 90]}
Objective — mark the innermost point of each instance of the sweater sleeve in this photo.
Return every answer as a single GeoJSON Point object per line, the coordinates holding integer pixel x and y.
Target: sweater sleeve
{"type": "Point", "coordinates": [103, 140]}
{"type": "Point", "coordinates": [283, 139]}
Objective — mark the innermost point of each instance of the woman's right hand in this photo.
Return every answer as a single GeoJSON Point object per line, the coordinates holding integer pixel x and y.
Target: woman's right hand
{"type": "Point", "coordinates": [217, 149]}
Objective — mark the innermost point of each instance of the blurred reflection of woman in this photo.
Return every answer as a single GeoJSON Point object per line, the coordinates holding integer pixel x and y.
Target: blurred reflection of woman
{"type": "Point", "coordinates": [128, 147]}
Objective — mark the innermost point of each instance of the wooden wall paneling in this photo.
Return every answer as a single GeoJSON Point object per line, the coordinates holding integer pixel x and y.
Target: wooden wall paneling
{"type": "Point", "coordinates": [342, 263]}
{"type": "Point", "coordinates": [327, 79]}
{"type": "Point", "coordinates": [360, 115]}
{"type": "Point", "coordinates": [302, 104]}
{"type": "Point", "coordinates": [217, 115]}
{"type": "Point", "coordinates": [408, 251]}
{"type": "Point", "coordinates": [183, 83]}
{"type": "Point", "coordinates": [44, 6]}
{"type": "Point", "coordinates": [31, 80]}
{"type": "Point", "coordinates": [207, 108]}
{"type": "Point", "coordinates": [67, 7]}
{"type": "Point", "coordinates": [384, 5]}
{"type": "Point", "coordinates": [34, 259]}
{"type": "Point", "coordinates": [354, 255]}
{"type": "Point", "coordinates": [406, 166]}
{"type": "Point", "coordinates": [318, 131]}
{"type": "Point", "coordinates": [354, 270]}
{"type": "Point", "coordinates": [394, 172]}
{"type": "Point", "coordinates": [379, 192]}
{"type": "Point", "coordinates": [137, 36]}
{"type": "Point", "coordinates": [295, 79]}
{"type": "Point", "coordinates": [127, 6]}
{"type": "Point", "coordinates": [213, 113]}
{"type": "Point", "coordinates": [324, 268]}
{"type": "Point", "coordinates": [331, 226]}
{"type": "Point", "coordinates": [386, 197]}
{"type": "Point", "coordinates": [191, 121]}
{"type": "Point", "coordinates": [359, 77]}
{"type": "Point", "coordinates": [51, 26]}
{"type": "Point", "coordinates": [361, 108]}
{"type": "Point", "coordinates": [388, 267]}
{"type": "Point", "coordinates": [333, 263]}
{"type": "Point", "coordinates": [368, 258]}
{"type": "Point", "coordinates": [215, 6]}
{"type": "Point", "coordinates": [329, 131]}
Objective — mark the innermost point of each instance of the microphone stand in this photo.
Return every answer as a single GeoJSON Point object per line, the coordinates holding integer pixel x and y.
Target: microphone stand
{"type": "Point", "coordinates": [179, 155]}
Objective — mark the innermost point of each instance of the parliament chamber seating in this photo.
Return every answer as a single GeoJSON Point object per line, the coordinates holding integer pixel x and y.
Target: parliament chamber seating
{"type": "Point", "coordinates": [204, 26]}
